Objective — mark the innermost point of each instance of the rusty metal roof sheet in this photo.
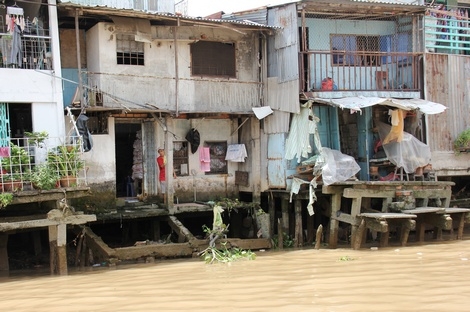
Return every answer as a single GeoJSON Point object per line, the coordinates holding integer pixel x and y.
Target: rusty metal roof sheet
{"type": "Point", "coordinates": [105, 9]}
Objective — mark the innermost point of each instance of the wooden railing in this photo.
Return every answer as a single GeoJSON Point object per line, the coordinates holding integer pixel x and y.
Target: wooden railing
{"type": "Point", "coordinates": [360, 71]}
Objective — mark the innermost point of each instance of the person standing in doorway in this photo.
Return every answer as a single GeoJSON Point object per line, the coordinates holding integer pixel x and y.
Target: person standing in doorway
{"type": "Point", "coordinates": [161, 162]}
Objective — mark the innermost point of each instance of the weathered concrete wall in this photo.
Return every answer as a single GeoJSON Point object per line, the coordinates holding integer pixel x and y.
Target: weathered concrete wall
{"type": "Point", "coordinates": [206, 186]}
{"type": "Point", "coordinates": [154, 83]}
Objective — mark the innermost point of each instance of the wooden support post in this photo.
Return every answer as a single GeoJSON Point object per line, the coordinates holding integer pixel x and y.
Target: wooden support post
{"type": "Point", "coordinates": [420, 231]}
{"type": "Point", "coordinates": [156, 230]}
{"type": "Point", "coordinates": [299, 237]}
{"type": "Point", "coordinates": [272, 214]}
{"type": "Point", "coordinates": [310, 229]}
{"type": "Point", "coordinates": [405, 231]}
{"type": "Point", "coordinates": [4, 266]}
{"type": "Point", "coordinates": [58, 251]}
{"type": "Point", "coordinates": [334, 223]}
{"type": "Point", "coordinates": [461, 219]}
{"type": "Point", "coordinates": [384, 239]}
{"type": "Point", "coordinates": [280, 234]}
{"type": "Point", "coordinates": [285, 215]}
{"type": "Point", "coordinates": [318, 237]}
{"type": "Point", "coordinates": [361, 229]}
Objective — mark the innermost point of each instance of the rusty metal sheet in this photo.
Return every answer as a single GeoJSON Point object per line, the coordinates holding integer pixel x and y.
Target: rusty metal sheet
{"type": "Point", "coordinates": [447, 81]}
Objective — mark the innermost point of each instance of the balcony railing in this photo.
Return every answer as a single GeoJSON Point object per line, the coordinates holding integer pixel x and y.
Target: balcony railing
{"type": "Point", "coordinates": [61, 158]}
{"type": "Point", "coordinates": [34, 53]}
{"type": "Point", "coordinates": [446, 30]}
{"type": "Point", "coordinates": [360, 71]}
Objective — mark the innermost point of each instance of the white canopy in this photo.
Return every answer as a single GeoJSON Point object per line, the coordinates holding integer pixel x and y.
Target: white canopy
{"type": "Point", "coordinates": [358, 102]}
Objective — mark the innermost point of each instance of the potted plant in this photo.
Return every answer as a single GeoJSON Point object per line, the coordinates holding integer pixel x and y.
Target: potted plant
{"type": "Point", "coordinates": [44, 177]}
{"type": "Point", "coordinates": [65, 160]}
{"type": "Point", "coordinates": [14, 166]}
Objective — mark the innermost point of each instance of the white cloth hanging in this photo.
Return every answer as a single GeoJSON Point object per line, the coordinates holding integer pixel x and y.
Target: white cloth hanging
{"type": "Point", "coordinates": [236, 153]}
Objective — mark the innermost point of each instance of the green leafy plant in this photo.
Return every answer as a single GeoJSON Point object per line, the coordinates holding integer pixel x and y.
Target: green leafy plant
{"type": "Point", "coordinates": [462, 141]}
{"type": "Point", "coordinates": [18, 161]}
{"type": "Point", "coordinates": [287, 241]}
{"type": "Point", "coordinates": [65, 160]}
{"type": "Point", "coordinates": [224, 255]}
{"type": "Point", "coordinates": [5, 199]}
{"type": "Point", "coordinates": [36, 137]}
{"type": "Point", "coordinates": [43, 177]}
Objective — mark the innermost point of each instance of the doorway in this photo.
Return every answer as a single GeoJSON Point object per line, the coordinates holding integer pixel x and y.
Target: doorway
{"type": "Point", "coordinates": [129, 171]}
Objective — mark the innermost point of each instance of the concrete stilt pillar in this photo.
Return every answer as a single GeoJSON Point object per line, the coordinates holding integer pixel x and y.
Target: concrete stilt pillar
{"type": "Point", "coordinates": [58, 248]}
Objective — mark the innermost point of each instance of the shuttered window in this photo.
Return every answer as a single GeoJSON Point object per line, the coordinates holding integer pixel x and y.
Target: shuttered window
{"type": "Point", "coordinates": [213, 59]}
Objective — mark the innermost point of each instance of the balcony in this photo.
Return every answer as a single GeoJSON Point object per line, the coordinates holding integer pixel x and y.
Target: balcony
{"type": "Point", "coordinates": [35, 49]}
{"type": "Point", "coordinates": [57, 160]}
{"type": "Point", "coordinates": [351, 73]}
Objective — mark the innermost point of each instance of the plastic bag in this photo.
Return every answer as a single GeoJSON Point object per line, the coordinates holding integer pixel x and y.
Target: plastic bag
{"type": "Point", "coordinates": [410, 153]}
{"type": "Point", "coordinates": [337, 167]}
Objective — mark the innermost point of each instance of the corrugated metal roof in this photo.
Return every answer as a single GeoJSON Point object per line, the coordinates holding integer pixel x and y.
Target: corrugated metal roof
{"type": "Point", "coordinates": [401, 2]}
{"type": "Point", "coordinates": [162, 15]}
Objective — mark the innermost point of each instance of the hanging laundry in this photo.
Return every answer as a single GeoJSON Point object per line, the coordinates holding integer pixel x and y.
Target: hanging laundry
{"type": "Point", "coordinates": [205, 159]}
{"type": "Point", "coordinates": [236, 153]}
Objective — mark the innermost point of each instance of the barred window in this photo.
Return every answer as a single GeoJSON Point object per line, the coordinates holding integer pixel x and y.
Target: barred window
{"type": "Point", "coordinates": [218, 151]}
{"type": "Point", "coordinates": [213, 59]}
{"type": "Point", "coordinates": [129, 51]}
{"type": "Point", "coordinates": [356, 50]}
{"type": "Point", "coordinates": [180, 158]}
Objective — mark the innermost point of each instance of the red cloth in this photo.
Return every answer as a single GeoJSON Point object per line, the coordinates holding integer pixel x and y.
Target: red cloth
{"type": "Point", "coordinates": [161, 167]}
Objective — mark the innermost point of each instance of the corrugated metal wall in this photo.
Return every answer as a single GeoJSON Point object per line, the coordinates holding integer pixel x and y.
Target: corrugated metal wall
{"type": "Point", "coordinates": [447, 81]}
{"type": "Point", "coordinates": [283, 59]}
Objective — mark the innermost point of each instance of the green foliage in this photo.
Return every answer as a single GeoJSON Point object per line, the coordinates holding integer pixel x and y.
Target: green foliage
{"type": "Point", "coordinates": [5, 199]}
{"type": "Point", "coordinates": [65, 160]}
{"type": "Point", "coordinates": [345, 258]}
{"type": "Point", "coordinates": [36, 137]}
{"type": "Point", "coordinates": [43, 177]}
{"type": "Point", "coordinates": [287, 241]}
{"type": "Point", "coordinates": [224, 255]}
{"type": "Point", "coordinates": [462, 140]}
{"type": "Point", "coordinates": [18, 161]}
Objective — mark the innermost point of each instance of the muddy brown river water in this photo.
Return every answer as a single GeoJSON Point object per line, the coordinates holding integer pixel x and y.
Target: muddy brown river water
{"type": "Point", "coordinates": [431, 277]}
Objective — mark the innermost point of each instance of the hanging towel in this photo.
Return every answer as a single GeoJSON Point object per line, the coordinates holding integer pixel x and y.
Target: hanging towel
{"type": "Point", "coordinates": [236, 153]}
{"type": "Point", "coordinates": [205, 159]}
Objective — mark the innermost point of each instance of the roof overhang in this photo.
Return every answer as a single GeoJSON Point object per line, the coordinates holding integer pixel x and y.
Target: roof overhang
{"type": "Point", "coordinates": [356, 103]}
{"type": "Point", "coordinates": [97, 12]}
{"type": "Point", "coordinates": [338, 9]}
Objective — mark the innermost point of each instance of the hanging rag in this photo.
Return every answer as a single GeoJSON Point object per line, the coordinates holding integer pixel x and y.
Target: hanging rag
{"type": "Point", "coordinates": [194, 139]}
{"type": "Point", "coordinates": [205, 159]}
{"type": "Point", "coordinates": [396, 132]}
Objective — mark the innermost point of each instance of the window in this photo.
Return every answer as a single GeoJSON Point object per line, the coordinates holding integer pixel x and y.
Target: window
{"type": "Point", "coordinates": [213, 59]}
{"type": "Point", "coordinates": [129, 51]}
{"type": "Point", "coordinates": [97, 122]}
{"type": "Point", "coordinates": [180, 158]}
{"type": "Point", "coordinates": [218, 150]}
{"type": "Point", "coordinates": [353, 50]}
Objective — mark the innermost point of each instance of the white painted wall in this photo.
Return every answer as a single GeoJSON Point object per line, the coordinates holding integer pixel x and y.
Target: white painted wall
{"type": "Point", "coordinates": [101, 160]}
